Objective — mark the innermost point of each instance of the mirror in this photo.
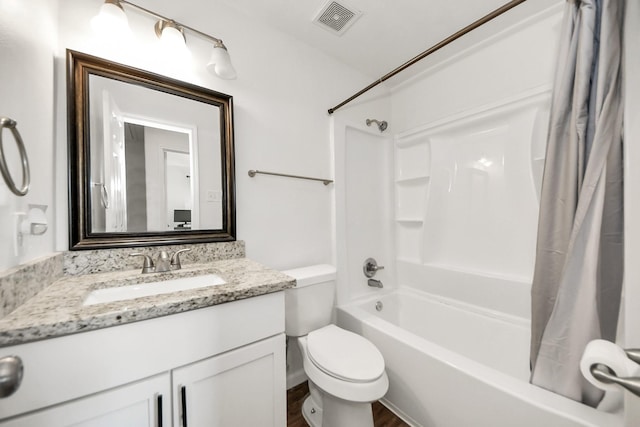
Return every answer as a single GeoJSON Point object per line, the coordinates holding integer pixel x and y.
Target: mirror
{"type": "Point", "coordinates": [151, 158]}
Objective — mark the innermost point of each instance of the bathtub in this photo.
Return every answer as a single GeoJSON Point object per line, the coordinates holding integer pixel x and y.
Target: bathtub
{"type": "Point", "coordinates": [451, 364]}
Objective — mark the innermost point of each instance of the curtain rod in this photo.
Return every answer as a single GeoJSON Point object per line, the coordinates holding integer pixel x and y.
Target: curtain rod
{"type": "Point", "coordinates": [432, 49]}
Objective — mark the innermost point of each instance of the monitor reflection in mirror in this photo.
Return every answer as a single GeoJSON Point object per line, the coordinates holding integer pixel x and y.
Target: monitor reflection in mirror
{"type": "Point", "coordinates": [183, 218]}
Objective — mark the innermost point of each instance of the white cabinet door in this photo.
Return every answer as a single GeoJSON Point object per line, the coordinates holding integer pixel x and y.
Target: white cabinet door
{"type": "Point", "coordinates": [146, 403]}
{"type": "Point", "coordinates": [243, 387]}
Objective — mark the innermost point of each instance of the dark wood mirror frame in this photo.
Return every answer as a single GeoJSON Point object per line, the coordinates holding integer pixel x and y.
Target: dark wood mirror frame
{"type": "Point", "coordinates": [79, 67]}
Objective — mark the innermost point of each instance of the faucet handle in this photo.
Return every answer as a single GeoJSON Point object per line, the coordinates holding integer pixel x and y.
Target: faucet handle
{"type": "Point", "coordinates": [147, 266]}
{"type": "Point", "coordinates": [370, 267]}
{"type": "Point", "coordinates": [175, 259]}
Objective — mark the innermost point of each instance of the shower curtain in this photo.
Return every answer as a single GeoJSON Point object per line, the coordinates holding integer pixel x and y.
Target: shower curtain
{"type": "Point", "coordinates": [579, 259]}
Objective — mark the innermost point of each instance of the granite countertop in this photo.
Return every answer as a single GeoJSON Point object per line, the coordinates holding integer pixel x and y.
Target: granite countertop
{"type": "Point", "coordinates": [58, 310]}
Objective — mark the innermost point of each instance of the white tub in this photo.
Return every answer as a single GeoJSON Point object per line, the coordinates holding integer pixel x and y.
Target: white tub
{"type": "Point", "coordinates": [455, 365]}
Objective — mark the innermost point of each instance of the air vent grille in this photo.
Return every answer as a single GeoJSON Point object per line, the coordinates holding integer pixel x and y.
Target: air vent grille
{"type": "Point", "coordinates": [336, 17]}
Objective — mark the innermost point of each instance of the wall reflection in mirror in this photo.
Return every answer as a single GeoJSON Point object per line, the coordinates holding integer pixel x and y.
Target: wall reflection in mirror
{"type": "Point", "coordinates": [151, 157]}
{"type": "Point", "coordinates": [146, 160]}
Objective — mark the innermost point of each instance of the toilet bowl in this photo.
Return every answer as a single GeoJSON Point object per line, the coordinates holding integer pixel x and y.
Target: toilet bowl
{"type": "Point", "coordinates": [345, 370]}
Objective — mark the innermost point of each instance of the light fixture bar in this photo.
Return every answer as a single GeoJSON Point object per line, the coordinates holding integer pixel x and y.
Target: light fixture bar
{"type": "Point", "coordinates": [216, 40]}
{"type": "Point", "coordinates": [166, 29]}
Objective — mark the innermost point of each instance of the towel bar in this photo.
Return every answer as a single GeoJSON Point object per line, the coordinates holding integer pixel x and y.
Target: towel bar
{"type": "Point", "coordinates": [253, 173]}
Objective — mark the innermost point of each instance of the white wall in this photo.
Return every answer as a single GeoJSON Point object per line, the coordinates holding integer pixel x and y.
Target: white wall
{"type": "Point", "coordinates": [517, 56]}
{"type": "Point", "coordinates": [281, 97]}
{"type": "Point", "coordinates": [27, 43]}
{"type": "Point", "coordinates": [631, 299]}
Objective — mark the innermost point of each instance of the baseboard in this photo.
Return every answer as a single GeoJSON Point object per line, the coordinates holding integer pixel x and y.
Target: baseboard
{"type": "Point", "coordinates": [398, 413]}
{"type": "Point", "coordinates": [295, 378]}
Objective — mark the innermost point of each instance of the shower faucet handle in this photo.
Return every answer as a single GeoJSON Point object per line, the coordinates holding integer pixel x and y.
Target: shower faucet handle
{"type": "Point", "coordinates": [371, 267]}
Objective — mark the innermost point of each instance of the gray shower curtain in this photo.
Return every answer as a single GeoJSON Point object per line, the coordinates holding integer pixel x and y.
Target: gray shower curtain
{"type": "Point", "coordinates": [579, 260]}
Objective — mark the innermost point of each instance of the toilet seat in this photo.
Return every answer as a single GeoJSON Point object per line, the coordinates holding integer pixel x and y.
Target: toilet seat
{"type": "Point", "coordinates": [348, 390]}
{"type": "Point", "coordinates": [345, 355]}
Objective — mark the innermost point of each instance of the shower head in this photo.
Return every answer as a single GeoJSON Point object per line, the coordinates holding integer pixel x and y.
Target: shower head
{"type": "Point", "coordinates": [382, 125]}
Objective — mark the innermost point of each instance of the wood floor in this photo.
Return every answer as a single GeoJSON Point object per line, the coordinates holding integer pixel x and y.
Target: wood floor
{"type": "Point", "coordinates": [382, 417]}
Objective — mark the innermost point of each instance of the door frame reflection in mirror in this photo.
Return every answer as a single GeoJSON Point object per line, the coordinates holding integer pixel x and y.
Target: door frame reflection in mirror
{"type": "Point", "coordinates": [191, 133]}
{"type": "Point", "coordinates": [80, 67]}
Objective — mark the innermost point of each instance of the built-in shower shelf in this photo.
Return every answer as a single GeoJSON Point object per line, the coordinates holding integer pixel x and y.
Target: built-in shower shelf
{"type": "Point", "coordinates": [412, 141]}
{"type": "Point", "coordinates": [413, 160]}
{"type": "Point", "coordinates": [410, 221]}
{"type": "Point", "coordinates": [413, 180]}
{"type": "Point", "coordinates": [409, 260]}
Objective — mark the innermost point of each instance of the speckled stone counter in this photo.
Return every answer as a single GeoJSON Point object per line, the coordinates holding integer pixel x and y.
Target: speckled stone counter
{"type": "Point", "coordinates": [19, 284]}
{"type": "Point", "coordinates": [103, 260]}
{"type": "Point", "coordinates": [58, 310]}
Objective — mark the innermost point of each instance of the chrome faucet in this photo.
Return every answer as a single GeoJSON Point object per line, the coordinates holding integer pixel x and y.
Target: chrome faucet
{"type": "Point", "coordinates": [163, 264]}
{"type": "Point", "coordinates": [374, 283]}
{"type": "Point", "coordinates": [370, 268]}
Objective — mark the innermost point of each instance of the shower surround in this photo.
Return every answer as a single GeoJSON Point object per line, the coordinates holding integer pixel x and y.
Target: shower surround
{"type": "Point", "coordinates": [447, 199]}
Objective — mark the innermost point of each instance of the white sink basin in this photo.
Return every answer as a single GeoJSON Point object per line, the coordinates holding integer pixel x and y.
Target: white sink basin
{"type": "Point", "coordinates": [121, 293]}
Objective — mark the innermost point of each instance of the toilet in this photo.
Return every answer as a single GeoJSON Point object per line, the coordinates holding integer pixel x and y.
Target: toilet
{"type": "Point", "coordinates": [345, 370]}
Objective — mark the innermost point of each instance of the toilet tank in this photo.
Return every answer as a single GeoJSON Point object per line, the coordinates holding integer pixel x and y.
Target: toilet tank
{"type": "Point", "coordinates": [309, 305]}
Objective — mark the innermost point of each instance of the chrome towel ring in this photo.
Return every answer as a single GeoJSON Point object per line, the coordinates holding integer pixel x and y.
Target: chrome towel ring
{"type": "Point", "coordinates": [10, 124]}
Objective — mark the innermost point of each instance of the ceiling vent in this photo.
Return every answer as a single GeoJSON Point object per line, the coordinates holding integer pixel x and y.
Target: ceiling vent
{"type": "Point", "coordinates": [336, 17]}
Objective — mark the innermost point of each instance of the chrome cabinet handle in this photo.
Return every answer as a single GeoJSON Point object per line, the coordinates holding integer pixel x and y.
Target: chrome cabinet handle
{"type": "Point", "coordinates": [10, 124]}
{"type": "Point", "coordinates": [603, 373]}
{"type": "Point", "coordinates": [11, 371]}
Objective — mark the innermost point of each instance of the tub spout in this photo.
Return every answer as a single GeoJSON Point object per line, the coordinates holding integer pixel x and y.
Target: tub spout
{"type": "Point", "coordinates": [374, 283]}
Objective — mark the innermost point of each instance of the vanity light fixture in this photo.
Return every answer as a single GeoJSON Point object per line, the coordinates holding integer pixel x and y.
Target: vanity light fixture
{"type": "Point", "coordinates": [172, 38]}
{"type": "Point", "coordinates": [220, 62]}
{"type": "Point", "coordinates": [112, 19]}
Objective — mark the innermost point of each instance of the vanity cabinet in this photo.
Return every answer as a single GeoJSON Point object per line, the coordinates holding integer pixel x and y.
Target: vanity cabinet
{"type": "Point", "coordinates": [234, 389]}
{"type": "Point", "coordinates": [218, 366]}
{"type": "Point", "coordinates": [145, 404]}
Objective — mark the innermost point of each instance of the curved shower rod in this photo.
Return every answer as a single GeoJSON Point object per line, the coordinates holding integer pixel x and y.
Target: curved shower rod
{"type": "Point", "coordinates": [432, 49]}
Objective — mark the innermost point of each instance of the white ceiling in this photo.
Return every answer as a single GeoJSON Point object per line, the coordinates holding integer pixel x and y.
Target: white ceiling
{"type": "Point", "coordinates": [389, 32]}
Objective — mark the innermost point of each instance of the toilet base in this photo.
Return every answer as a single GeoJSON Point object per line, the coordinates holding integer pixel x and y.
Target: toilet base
{"type": "Point", "coordinates": [312, 412]}
{"type": "Point", "coordinates": [335, 412]}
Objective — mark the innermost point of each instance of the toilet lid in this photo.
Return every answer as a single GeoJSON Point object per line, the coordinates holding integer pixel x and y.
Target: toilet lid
{"type": "Point", "coordinates": [344, 355]}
